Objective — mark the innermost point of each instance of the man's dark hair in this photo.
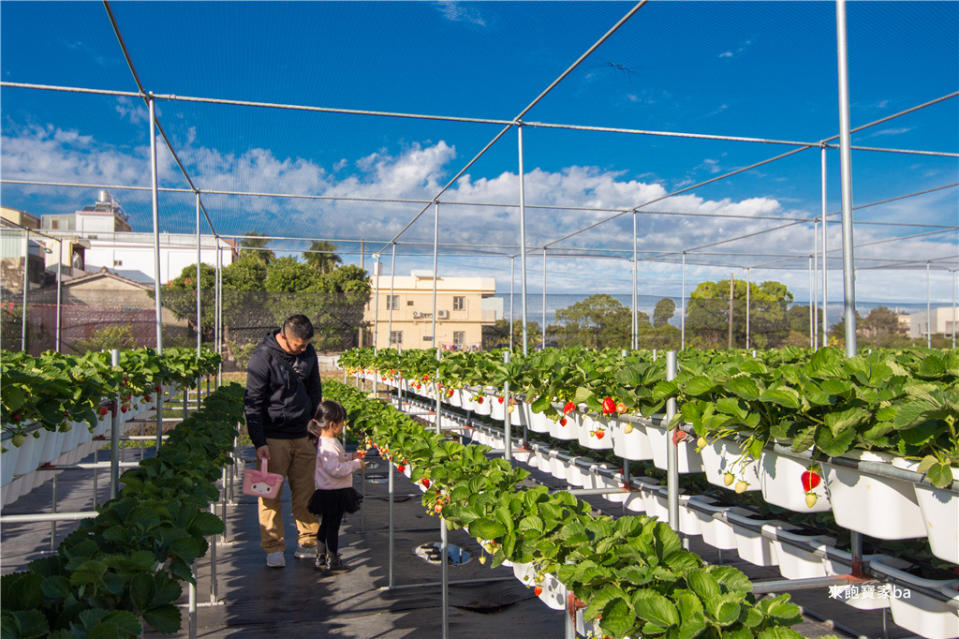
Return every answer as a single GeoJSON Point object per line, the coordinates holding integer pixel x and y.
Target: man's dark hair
{"type": "Point", "coordinates": [298, 326]}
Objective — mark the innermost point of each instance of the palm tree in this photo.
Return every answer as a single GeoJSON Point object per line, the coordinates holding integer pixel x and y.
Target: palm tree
{"type": "Point", "coordinates": [252, 245]}
{"type": "Point", "coordinates": [322, 256]}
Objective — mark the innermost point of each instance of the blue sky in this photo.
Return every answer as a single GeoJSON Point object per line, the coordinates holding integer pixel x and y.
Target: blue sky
{"type": "Point", "coordinates": [760, 69]}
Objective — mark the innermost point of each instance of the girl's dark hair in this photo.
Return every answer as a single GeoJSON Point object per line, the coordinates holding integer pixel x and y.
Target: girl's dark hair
{"type": "Point", "coordinates": [327, 414]}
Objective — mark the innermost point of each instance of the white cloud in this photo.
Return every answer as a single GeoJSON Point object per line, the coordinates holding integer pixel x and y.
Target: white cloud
{"type": "Point", "coordinates": [733, 53]}
{"type": "Point", "coordinates": [889, 131]}
{"type": "Point", "coordinates": [132, 110]}
{"type": "Point", "coordinates": [457, 12]}
{"type": "Point", "coordinates": [418, 171]}
{"type": "Point", "coordinates": [726, 54]}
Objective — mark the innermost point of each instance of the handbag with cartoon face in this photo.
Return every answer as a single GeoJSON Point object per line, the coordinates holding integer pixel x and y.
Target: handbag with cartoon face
{"type": "Point", "coordinates": [260, 483]}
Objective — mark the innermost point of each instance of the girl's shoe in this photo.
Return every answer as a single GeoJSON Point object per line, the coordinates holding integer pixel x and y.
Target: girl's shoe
{"type": "Point", "coordinates": [335, 564]}
{"type": "Point", "coordinates": [321, 562]}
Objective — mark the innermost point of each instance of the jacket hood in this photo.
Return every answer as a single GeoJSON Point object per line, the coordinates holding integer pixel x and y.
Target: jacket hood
{"type": "Point", "coordinates": [270, 342]}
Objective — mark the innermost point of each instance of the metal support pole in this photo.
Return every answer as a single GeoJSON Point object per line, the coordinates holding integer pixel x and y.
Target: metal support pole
{"type": "Point", "coordinates": [825, 269]}
{"type": "Point", "coordinates": [543, 340]}
{"type": "Point", "coordinates": [436, 381]}
{"type": "Point", "coordinates": [219, 312]}
{"type": "Point", "coordinates": [507, 426]}
{"type": "Point", "coordinates": [955, 317]}
{"type": "Point", "coordinates": [191, 590]}
{"type": "Point", "coordinates": [672, 457]}
{"type": "Point", "coordinates": [747, 307]}
{"type": "Point", "coordinates": [845, 156]}
{"type": "Point", "coordinates": [444, 576]}
{"type": "Point", "coordinates": [682, 316]}
{"type": "Point", "coordinates": [512, 276]}
{"type": "Point", "coordinates": [928, 308]}
{"type": "Point", "coordinates": [26, 287]}
{"type": "Point", "coordinates": [199, 315]}
{"type": "Point", "coordinates": [53, 522]}
{"type": "Point", "coordinates": [213, 588]}
{"type": "Point", "coordinates": [812, 313]}
{"type": "Point", "coordinates": [115, 434]}
{"type": "Point", "coordinates": [60, 299]}
{"type": "Point", "coordinates": [156, 227]}
{"type": "Point", "coordinates": [569, 625]}
{"type": "Point", "coordinates": [389, 502]}
{"type": "Point", "coordinates": [635, 341]}
{"type": "Point", "coordinates": [389, 321]}
{"type": "Point", "coordinates": [814, 286]}
{"type": "Point", "coordinates": [376, 318]}
{"type": "Point", "coordinates": [522, 235]}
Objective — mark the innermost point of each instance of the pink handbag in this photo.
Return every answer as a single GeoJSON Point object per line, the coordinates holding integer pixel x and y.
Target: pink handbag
{"type": "Point", "coordinates": [260, 483]}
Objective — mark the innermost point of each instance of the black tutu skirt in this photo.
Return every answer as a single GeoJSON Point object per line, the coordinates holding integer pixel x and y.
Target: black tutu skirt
{"type": "Point", "coordinates": [337, 500]}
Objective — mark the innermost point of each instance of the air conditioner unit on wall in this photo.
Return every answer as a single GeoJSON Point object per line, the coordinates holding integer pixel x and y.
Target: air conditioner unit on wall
{"type": "Point", "coordinates": [442, 314]}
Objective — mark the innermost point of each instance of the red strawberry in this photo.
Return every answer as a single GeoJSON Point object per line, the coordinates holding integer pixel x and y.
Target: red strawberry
{"type": "Point", "coordinates": [569, 408]}
{"type": "Point", "coordinates": [600, 433]}
{"type": "Point", "coordinates": [425, 481]}
{"type": "Point", "coordinates": [810, 479]}
{"type": "Point", "coordinates": [15, 417]}
{"type": "Point", "coordinates": [401, 468]}
{"type": "Point", "coordinates": [479, 400]}
{"type": "Point", "coordinates": [499, 399]}
{"type": "Point", "coordinates": [103, 411]}
{"type": "Point", "coordinates": [538, 590]}
{"type": "Point", "coordinates": [562, 421]}
{"type": "Point", "coordinates": [158, 389]}
{"type": "Point", "coordinates": [609, 406]}
{"type": "Point", "coordinates": [146, 398]}
{"type": "Point", "coordinates": [678, 436]}
{"type": "Point", "coordinates": [438, 508]}
{"type": "Point", "coordinates": [621, 407]}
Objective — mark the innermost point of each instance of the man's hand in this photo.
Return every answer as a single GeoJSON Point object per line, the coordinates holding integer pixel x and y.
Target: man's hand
{"type": "Point", "coordinates": [263, 452]}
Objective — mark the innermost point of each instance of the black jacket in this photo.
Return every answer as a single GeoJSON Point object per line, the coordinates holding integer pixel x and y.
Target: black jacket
{"type": "Point", "coordinates": [282, 392]}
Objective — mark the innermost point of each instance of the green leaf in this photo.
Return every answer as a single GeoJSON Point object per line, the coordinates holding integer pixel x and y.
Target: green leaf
{"type": "Point", "coordinates": [207, 524]}
{"type": "Point", "coordinates": [655, 608]}
{"type": "Point", "coordinates": [618, 618]}
{"type": "Point", "coordinates": [834, 446]}
{"type": "Point", "coordinates": [725, 613]}
{"type": "Point", "coordinates": [163, 618]}
{"type": "Point", "coordinates": [744, 387]}
{"type": "Point", "coordinates": [598, 601]}
{"type": "Point", "coordinates": [940, 474]}
{"type": "Point", "coordinates": [486, 529]}
{"type": "Point", "coordinates": [703, 584]}
{"type": "Point", "coordinates": [841, 421]}
{"type": "Point", "coordinates": [781, 395]}
{"type": "Point", "coordinates": [24, 624]}
{"type": "Point", "coordinates": [779, 632]}
{"type": "Point", "coordinates": [699, 385]}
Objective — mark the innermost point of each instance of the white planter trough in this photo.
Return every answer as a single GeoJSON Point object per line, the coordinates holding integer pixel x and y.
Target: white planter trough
{"type": "Point", "coordinates": [724, 456]}
{"type": "Point", "coordinates": [940, 514]}
{"type": "Point", "coordinates": [875, 506]}
{"type": "Point", "coordinates": [497, 407]}
{"type": "Point", "coordinates": [538, 422]}
{"type": "Point", "coordinates": [577, 475]}
{"type": "Point", "coordinates": [586, 628]}
{"type": "Point", "coordinates": [565, 431]}
{"type": "Point", "coordinates": [520, 417]}
{"type": "Point", "coordinates": [52, 445]}
{"type": "Point", "coordinates": [659, 438]}
{"type": "Point", "coordinates": [618, 497]}
{"type": "Point", "coordinates": [920, 613]}
{"type": "Point", "coordinates": [481, 405]}
{"type": "Point", "coordinates": [557, 466]}
{"type": "Point", "coordinates": [657, 505]}
{"type": "Point", "coordinates": [781, 481]}
{"type": "Point", "coordinates": [456, 399]}
{"type": "Point", "coordinates": [630, 441]}
{"type": "Point", "coordinates": [716, 532]}
{"type": "Point", "coordinates": [554, 593]}
{"type": "Point", "coordinates": [595, 433]}
{"type": "Point", "coordinates": [525, 573]}
{"type": "Point", "coordinates": [750, 543]}
{"type": "Point", "coordinates": [521, 455]}
{"type": "Point", "coordinates": [794, 561]}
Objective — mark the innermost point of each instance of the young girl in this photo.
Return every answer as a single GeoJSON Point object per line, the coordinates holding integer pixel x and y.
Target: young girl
{"type": "Point", "coordinates": [334, 493]}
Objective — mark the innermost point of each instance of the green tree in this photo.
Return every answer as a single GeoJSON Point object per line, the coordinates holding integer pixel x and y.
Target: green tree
{"type": "Point", "coordinates": [322, 256]}
{"type": "Point", "coordinates": [707, 315]}
{"type": "Point", "coordinates": [253, 246]}
{"type": "Point", "coordinates": [663, 312]}
{"type": "Point", "coordinates": [179, 295]}
{"type": "Point", "coordinates": [599, 321]}
{"type": "Point", "coordinates": [287, 275]}
{"type": "Point", "coordinates": [880, 322]}
{"type": "Point", "coordinates": [107, 338]}
{"type": "Point", "coordinates": [497, 334]}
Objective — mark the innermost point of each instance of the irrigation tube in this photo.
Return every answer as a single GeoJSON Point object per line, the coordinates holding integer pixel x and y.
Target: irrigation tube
{"type": "Point", "coordinates": [59, 298]}
{"type": "Point", "coordinates": [389, 307]}
{"type": "Point", "coordinates": [199, 325]}
{"type": "Point", "coordinates": [444, 570]}
{"type": "Point", "coordinates": [682, 315]}
{"type": "Point", "coordinates": [635, 340]}
{"type": "Point", "coordinates": [542, 343]}
{"type": "Point", "coordinates": [747, 307]}
{"type": "Point", "coordinates": [512, 278]}
{"type": "Point", "coordinates": [928, 309]}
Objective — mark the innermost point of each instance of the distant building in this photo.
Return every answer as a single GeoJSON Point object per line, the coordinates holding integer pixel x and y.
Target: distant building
{"type": "Point", "coordinates": [941, 320]}
{"type": "Point", "coordinates": [11, 251]}
{"type": "Point", "coordinates": [101, 237]}
{"type": "Point", "coordinates": [460, 310]}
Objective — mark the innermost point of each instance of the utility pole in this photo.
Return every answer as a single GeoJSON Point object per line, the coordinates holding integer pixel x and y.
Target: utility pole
{"type": "Point", "coordinates": [731, 291]}
{"type": "Point", "coordinates": [360, 330]}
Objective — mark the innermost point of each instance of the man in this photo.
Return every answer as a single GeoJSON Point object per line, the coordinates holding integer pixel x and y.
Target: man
{"type": "Point", "coordinates": [282, 392]}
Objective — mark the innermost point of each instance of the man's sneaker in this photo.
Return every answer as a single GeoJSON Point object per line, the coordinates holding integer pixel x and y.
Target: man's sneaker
{"type": "Point", "coordinates": [335, 564]}
{"type": "Point", "coordinates": [304, 552]}
{"type": "Point", "coordinates": [275, 559]}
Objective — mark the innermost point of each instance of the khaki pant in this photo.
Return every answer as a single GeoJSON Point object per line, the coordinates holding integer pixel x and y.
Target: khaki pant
{"type": "Point", "coordinates": [295, 459]}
